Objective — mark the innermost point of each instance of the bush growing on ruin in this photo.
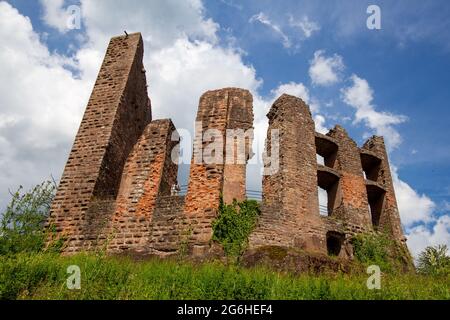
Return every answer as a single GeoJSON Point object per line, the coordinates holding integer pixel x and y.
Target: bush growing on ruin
{"type": "Point", "coordinates": [373, 249]}
{"type": "Point", "coordinates": [22, 223]}
{"type": "Point", "coordinates": [234, 224]}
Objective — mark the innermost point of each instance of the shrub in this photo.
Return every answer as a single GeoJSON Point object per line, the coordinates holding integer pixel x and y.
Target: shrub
{"type": "Point", "coordinates": [374, 249]}
{"type": "Point", "coordinates": [22, 224]}
{"type": "Point", "coordinates": [234, 224]}
{"type": "Point", "coordinates": [434, 261]}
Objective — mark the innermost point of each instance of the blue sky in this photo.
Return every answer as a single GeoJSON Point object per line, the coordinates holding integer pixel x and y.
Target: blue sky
{"type": "Point", "coordinates": [393, 81]}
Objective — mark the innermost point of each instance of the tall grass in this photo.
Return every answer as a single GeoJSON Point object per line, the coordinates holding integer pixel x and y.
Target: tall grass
{"type": "Point", "coordinates": [43, 276]}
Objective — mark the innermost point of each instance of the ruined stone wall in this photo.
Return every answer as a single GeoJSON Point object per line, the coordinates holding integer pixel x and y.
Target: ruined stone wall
{"type": "Point", "coordinates": [170, 228]}
{"type": "Point", "coordinates": [358, 183]}
{"type": "Point", "coordinates": [353, 207]}
{"type": "Point", "coordinates": [380, 174]}
{"type": "Point", "coordinates": [117, 112]}
{"type": "Point", "coordinates": [148, 175]}
{"type": "Point", "coordinates": [228, 108]}
{"type": "Point", "coordinates": [290, 199]}
{"type": "Point", "coordinates": [115, 192]}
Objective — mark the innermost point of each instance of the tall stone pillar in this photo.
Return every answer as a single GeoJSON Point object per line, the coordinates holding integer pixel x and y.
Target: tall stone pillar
{"type": "Point", "coordinates": [210, 174]}
{"type": "Point", "coordinates": [117, 113]}
{"type": "Point", "coordinates": [353, 207]}
{"type": "Point", "coordinates": [290, 200]}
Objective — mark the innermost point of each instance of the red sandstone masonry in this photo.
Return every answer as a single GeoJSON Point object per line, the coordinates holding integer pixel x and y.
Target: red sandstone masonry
{"type": "Point", "coordinates": [229, 108]}
{"type": "Point", "coordinates": [290, 211]}
{"type": "Point", "coordinates": [148, 175]}
{"type": "Point", "coordinates": [117, 113]}
{"type": "Point", "coordinates": [389, 219]}
{"type": "Point", "coordinates": [290, 200]}
{"type": "Point", "coordinates": [353, 207]}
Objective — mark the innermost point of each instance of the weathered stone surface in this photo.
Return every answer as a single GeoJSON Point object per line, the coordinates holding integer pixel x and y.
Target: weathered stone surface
{"type": "Point", "coordinates": [384, 208]}
{"type": "Point", "coordinates": [149, 174]}
{"type": "Point", "coordinates": [358, 182]}
{"type": "Point", "coordinates": [290, 199]}
{"type": "Point", "coordinates": [117, 113]}
{"type": "Point", "coordinates": [229, 108]}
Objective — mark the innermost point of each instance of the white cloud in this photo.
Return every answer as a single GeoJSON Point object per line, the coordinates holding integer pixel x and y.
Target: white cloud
{"type": "Point", "coordinates": [325, 71]}
{"type": "Point", "coordinates": [55, 15]}
{"type": "Point", "coordinates": [41, 105]}
{"type": "Point", "coordinates": [418, 213]}
{"type": "Point", "coordinates": [360, 96]}
{"type": "Point", "coordinates": [421, 237]}
{"type": "Point", "coordinates": [413, 207]}
{"type": "Point", "coordinates": [262, 18]}
{"type": "Point", "coordinates": [160, 22]}
{"type": "Point", "coordinates": [294, 89]}
{"type": "Point", "coordinates": [305, 25]}
{"type": "Point", "coordinates": [319, 121]}
{"type": "Point", "coordinates": [181, 73]}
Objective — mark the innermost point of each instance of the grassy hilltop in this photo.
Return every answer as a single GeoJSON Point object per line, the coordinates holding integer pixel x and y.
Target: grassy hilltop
{"type": "Point", "coordinates": [44, 276]}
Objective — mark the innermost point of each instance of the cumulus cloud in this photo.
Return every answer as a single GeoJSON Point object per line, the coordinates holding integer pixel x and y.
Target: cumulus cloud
{"type": "Point", "coordinates": [37, 124]}
{"type": "Point", "coordinates": [55, 15]}
{"type": "Point", "coordinates": [413, 207]}
{"type": "Point", "coordinates": [325, 71]}
{"type": "Point", "coordinates": [294, 89]}
{"type": "Point", "coordinates": [360, 96]}
{"type": "Point", "coordinates": [420, 217]}
{"type": "Point", "coordinates": [421, 236]}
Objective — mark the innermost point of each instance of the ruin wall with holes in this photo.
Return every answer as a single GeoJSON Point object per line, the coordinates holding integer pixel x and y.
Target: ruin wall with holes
{"type": "Point", "coordinates": [115, 192]}
{"type": "Point", "coordinates": [357, 182]}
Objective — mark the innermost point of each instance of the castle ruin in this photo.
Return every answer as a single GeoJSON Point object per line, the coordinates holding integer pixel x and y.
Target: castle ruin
{"type": "Point", "coordinates": [115, 192]}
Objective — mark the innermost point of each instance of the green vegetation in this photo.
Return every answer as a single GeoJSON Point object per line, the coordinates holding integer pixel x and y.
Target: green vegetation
{"type": "Point", "coordinates": [434, 261]}
{"type": "Point", "coordinates": [234, 224]}
{"type": "Point", "coordinates": [378, 249]}
{"type": "Point", "coordinates": [44, 276]}
{"type": "Point", "coordinates": [21, 225]}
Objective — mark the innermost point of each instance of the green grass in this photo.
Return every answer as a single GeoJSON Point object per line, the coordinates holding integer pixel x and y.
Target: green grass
{"type": "Point", "coordinates": [43, 276]}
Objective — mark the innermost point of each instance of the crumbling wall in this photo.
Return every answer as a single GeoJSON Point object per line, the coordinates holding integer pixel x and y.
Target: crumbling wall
{"type": "Point", "coordinates": [290, 199]}
{"type": "Point", "coordinates": [117, 112]}
{"type": "Point", "coordinates": [353, 207]}
{"type": "Point", "coordinates": [380, 184]}
{"type": "Point", "coordinates": [229, 108]}
{"type": "Point", "coordinates": [358, 183]}
{"type": "Point", "coordinates": [149, 174]}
